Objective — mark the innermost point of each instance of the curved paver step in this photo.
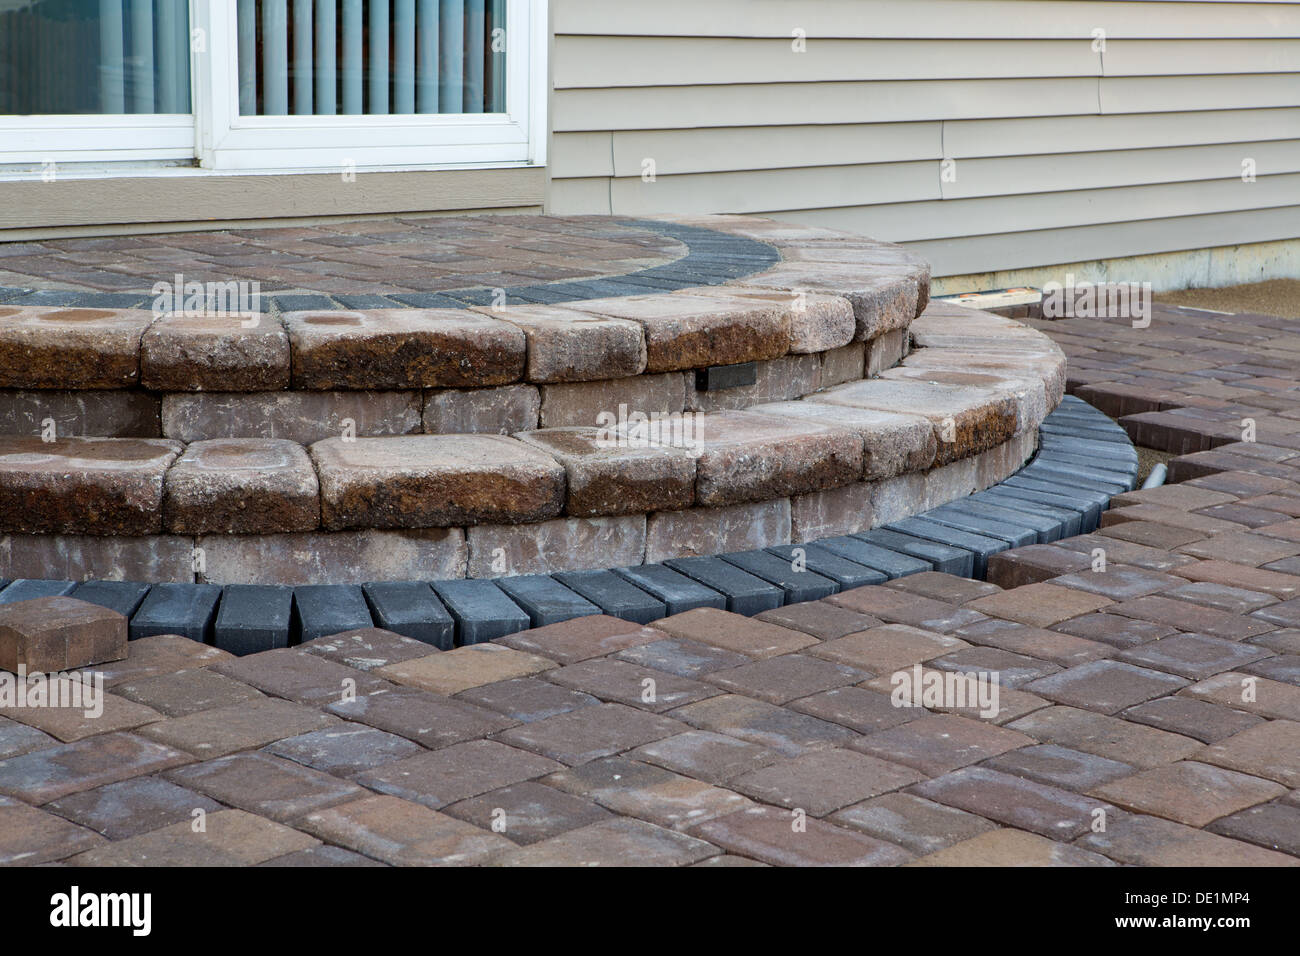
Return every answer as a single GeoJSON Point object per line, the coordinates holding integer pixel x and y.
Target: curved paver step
{"type": "Point", "coordinates": [1050, 498]}
{"type": "Point", "coordinates": [909, 423]}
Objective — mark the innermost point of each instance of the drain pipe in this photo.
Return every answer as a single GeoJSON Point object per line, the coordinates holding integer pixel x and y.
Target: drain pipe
{"type": "Point", "coordinates": [1157, 477]}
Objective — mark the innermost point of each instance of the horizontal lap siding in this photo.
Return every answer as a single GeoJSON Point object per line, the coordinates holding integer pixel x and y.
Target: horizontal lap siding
{"type": "Point", "coordinates": [1062, 153]}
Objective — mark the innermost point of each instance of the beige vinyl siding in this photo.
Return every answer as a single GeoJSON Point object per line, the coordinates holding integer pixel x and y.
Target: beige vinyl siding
{"type": "Point", "coordinates": [1061, 152]}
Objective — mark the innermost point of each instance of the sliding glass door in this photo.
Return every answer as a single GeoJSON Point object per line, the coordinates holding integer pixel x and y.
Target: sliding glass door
{"type": "Point", "coordinates": [273, 84]}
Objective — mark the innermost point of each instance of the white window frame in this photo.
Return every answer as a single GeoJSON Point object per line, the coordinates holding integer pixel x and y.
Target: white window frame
{"type": "Point", "coordinates": [223, 141]}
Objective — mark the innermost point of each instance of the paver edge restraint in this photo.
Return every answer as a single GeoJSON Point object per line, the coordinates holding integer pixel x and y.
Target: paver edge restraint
{"type": "Point", "coordinates": [1083, 459]}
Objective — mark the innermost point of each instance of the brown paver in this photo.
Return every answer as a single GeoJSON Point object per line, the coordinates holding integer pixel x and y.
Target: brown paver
{"type": "Point", "coordinates": [450, 672]}
{"type": "Point", "coordinates": [265, 785]}
{"type": "Point", "coordinates": [918, 825]}
{"type": "Point", "coordinates": [589, 733]}
{"type": "Point", "coordinates": [456, 772]}
{"type": "Point", "coordinates": [1105, 736]}
{"type": "Point", "coordinates": [939, 743]}
{"type": "Point", "coordinates": [29, 836]}
{"type": "Point", "coordinates": [1189, 792]}
{"type": "Point", "coordinates": [53, 634]}
{"type": "Point", "coordinates": [1012, 848]}
{"type": "Point", "coordinates": [404, 833]}
{"type": "Point", "coordinates": [779, 680]}
{"type": "Point", "coordinates": [648, 792]}
{"type": "Point", "coordinates": [1270, 749]}
{"type": "Point", "coordinates": [583, 638]}
{"type": "Point", "coordinates": [759, 722]}
{"type": "Point", "coordinates": [783, 838]}
{"type": "Point", "coordinates": [621, 842]}
{"type": "Point", "coordinates": [187, 692]}
{"type": "Point", "coordinates": [885, 649]}
{"type": "Point", "coordinates": [1107, 686]}
{"type": "Point", "coordinates": [900, 607]}
{"type": "Point", "coordinates": [1014, 801]}
{"type": "Point", "coordinates": [734, 632]}
{"type": "Point", "coordinates": [1139, 840]}
{"type": "Point", "coordinates": [429, 719]}
{"type": "Point", "coordinates": [243, 726]}
{"type": "Point", "coordinates": [44, 775]}
{"type": "Point", "coordinates": [229, 838]}
{"type": "Point", "coordinates": [626, 683]}
{"type": "Point", "coordinates": [528, 812]}
{"type": "Point", "coordinates": [824, 781]}
{"type": "Point", "coordinates": [131, 807]}
{"type": "Point", "coordinates": [1039, 605]}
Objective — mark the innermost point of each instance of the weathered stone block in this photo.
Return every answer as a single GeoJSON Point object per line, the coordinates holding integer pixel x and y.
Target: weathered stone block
{"type": "Point", "coordinates": [341, 557]}
{"type": "Point", "coordinates": [835, 511]}
{"type": "Point", "coordinates": [707, 531]}
{"type": "Point", "coordinates": [83, 485]}
{"type": "Point", "coordinates": [778, 380]}
{"type": "Point", "coordinates": [304, 417]}
{"type": "Point", "coordinates": [214, 353]}
{"type": "Point", "coordinates": [844, 364]}
{"type": "Point", "coordinates": [966, 419]}
{"type": "Point", "coordinates": [884, 298]}
{"type": "Point", "coordinates": [115, 413]}
{"type": "Point", "coordinates": [59, 633]}
{"type": "Point", "coordinates": [686, 330]}
{"type": "Point", "coordinates": [818, 321]}
{"type": "Point", "coordinates": [242, 486]}
{"type": "Point", "coordinates": [71, 348]}
{"type": "Point", "coordinates": [885, 351]}
{"type": "Point", "coordinates": [899, 497]}
{"type": "Point", "coordinates": [565, 544]}
{"type": "Point", "coordinates": [503, 410]}
{"type": "Point", "coordinates": [431, 481]}
{"type": "Point", "coordinates": [403, 348]}
{"type": "Point", "coordinates": [609, 474]}
{"type": "Point", "coordinates": [567, 345]}
{"type": "Point", "coordinates": [750, 457]}
{"type": "Point", "coordinates": [66, 557]}
{"type": "Point", "coordinates": [1027, 391]}
{"type": "Point", "coordinates": [893, 443]}
{"type": "Point", "coordinates": [581, 403]}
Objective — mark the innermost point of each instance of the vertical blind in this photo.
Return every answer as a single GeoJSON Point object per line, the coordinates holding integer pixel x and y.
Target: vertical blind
{"type": "Point", "coordinates": [370, 57]}
{"type": "Point", "coordinates": [95, 56]}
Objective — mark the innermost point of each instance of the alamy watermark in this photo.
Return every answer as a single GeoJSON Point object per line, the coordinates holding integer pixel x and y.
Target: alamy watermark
{"type": "Point", "coordinates": [233, 299]}
{"type": "Point", "coordinates": [1092, 300]}
{"type": "Point", "coordinates": [83, 692]}
{"type": "Point", "coordinates": [635, 429]}
{"type": "Point", "coordinates": [947, 690]}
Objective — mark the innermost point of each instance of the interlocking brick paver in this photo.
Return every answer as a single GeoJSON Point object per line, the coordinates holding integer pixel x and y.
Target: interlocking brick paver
{"type": "Point", "coordinates": [526, 699]}
{"type": "Point", "coordinates": [1015, 801]}
{"type": "Point", "coordinates": [1119, 583]}
{"type": "Point", "coordinates": [621, 842]}
{"type": "Point", "coordinates": [229, 838]}
{"type": "Point", "coordinates": [44, 775]}
{"type": "Point", "coordinates": [1107, 686]}
{"type": "Point", "coordinates": [939, 743]}
{"type": "Point", "coordinates": [243, 726]}
{"type": "Point", "coordinates": [1012, 848]}
{"type": "Point", "coordinates": [134, 806]}
{"type": "Point", "coordinates": [733, 632]}
{"type": "Point", "coordinates": [322, 855]}
{"type": "Point", "coordinates": [1039, 605]}
{"type": "Point", "coordinates": [824, 781]}
{"type": "Point", "coordinates": [29, 836]}
{"type": "Point", "coordinates": [947, 588]}
{"type": "Point", "coordinates": [528, 812]}
{"type": "Point", "coordinates": [704, 755]}
{"type": "Point", "coordinates": [631, 684]}
{"type": "Point", "coordinates": [1242, 547]}
{"type": "Point", "coordinates": [1191, 718]}
{"type": "Point", "coordinates": [1063, 649]}
{"type": "Point", "coordinates": [857, 708]}
{"type": "Point", "coordinates": [779, 680]}
{"type": "Point", "coordinates": [1270, 749]}
{"type": "Point", "coordinates": [1256, 695]}
{"type": "Point", "coordinates": [583, 637]}
{"type": "Point", "coordinates": [1105, 736]}
{"type": "Point", "coordinates": [766, 834]}
{"type": "Point", "coordinates": [305, 678]}
{"type": "Point", "coordinates": [759, 722]}
{"type": "Point", "coordinates": [1194, 656]}
{"type": "Point", "coordinates": [883, 650]}
{"type": "Point", "coordinates": [367, 649]}
{"type": "Point", "coordinates": [1274, 826]}
{"type": "Point", "coordinates": [187, 692]}
{"type": "Point", "coordinates": [265, 785]}
{"type": "Point", "coordinates": [345, 749]}
{"type": "Point", "coordinates": [589, 733]}
{"type": "Point", "coordinates": [1221, 596]}
{"type": "Point", "coordinates": [1117, 631]}
{"type": "Point", "coordinates": [429, 719]}
{"type": "Point", "coordinates": [404, 833]}
{"type": "Point", "coordinates": [900, 607]}
{"type": "Point", "coordinates": [450, 672]}
{"type": "Point", "coordinates": [1189, 792]}
{"type": "Point", "coordinates": [682, 657]}
{"type": "Point", "coordinates": [821, 619]}
{"type": "Point", "coordinates": [918, 825]}
{"type": "Point", "coordinates": [1139, 840]}
{"type": "Point", "coordinates": [68, 723]}
{"type": "Point", "coordinates": [456, 772]}
{"type": "Point", "coordinates": [1285, 613]}
{"type": "Point", "coordinates": [1013, 670]}
{"type": "Point", "coordinates": [648, 792]}
{"type": "Point", "coordinates": [16, 738]}
{"type": "Point", "coordinates": [1060, 766]}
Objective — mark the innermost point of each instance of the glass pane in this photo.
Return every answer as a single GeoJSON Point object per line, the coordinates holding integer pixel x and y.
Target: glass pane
{"type": "Point", "coordinates": [371, 57]}
{"type": "Point", "coordinates": [94, 56]}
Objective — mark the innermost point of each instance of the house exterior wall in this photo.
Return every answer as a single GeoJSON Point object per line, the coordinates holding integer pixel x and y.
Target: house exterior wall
{"type": "Point", "coordinates": [1058, 151]}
